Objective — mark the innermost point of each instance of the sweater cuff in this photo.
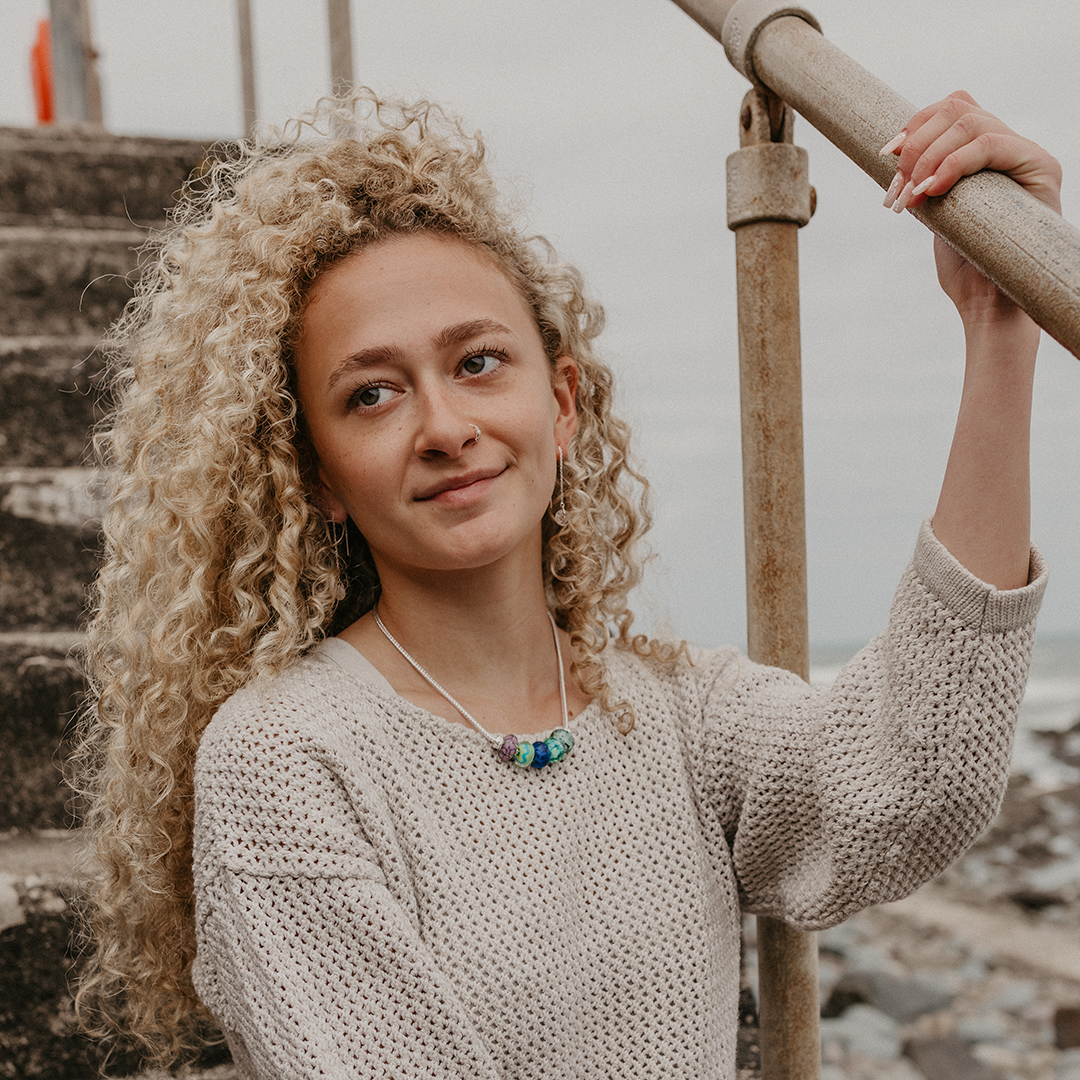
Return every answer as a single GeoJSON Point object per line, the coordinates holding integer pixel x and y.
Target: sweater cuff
{"type": "Point", "coordinates": [979, 605]}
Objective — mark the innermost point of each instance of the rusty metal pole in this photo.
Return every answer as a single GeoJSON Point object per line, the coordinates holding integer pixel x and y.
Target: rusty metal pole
{"type": "Point", "coordinates": [769, 198]}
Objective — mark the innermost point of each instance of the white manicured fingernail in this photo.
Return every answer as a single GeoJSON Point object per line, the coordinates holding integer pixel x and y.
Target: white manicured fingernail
{"type": "Point", "coordinates": [894, 189]}
{"type": "Point", "coordinates": [904, 198]}
{"type": "Point", "coordinates": [923, 186]}
{"type": "Point", "coordinates": [893, 145]}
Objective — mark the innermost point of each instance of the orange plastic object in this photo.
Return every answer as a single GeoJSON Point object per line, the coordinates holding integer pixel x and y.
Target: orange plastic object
{"type": "Point", "coordinates": [41, 73]}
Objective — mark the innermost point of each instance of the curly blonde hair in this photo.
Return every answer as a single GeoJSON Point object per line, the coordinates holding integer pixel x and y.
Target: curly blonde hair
{"type": "Point", "coordinates": [218, 569]}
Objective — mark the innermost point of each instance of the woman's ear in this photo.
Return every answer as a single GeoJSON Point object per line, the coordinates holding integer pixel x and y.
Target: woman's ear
{"type": "Point", "coordinates": [564, 384]}
{"type": "Point", "coordinates": [331, 506]}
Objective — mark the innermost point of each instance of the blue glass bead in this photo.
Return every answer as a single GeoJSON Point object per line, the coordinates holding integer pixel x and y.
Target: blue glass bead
{"type": "Point", "coordinates": [541, 755]}
{"type": "Point", "coordinates": [555, 749]}
{"type": "Point", "coordinates": [508, 749]}
{"type": "Point", "coordinates": [524, 755]}
{"type": "Point", "coordinates": [565, 738]}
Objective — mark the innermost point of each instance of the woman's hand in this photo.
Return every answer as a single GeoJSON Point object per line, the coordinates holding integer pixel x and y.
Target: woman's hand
{"type": "Point", "coordinates": [951, 139]}
{"type": "Point", "coordinates": [983, 512]}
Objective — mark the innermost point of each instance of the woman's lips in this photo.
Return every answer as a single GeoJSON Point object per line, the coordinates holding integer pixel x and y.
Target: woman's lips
{"type": "Point", "coordinates": [460, 488]}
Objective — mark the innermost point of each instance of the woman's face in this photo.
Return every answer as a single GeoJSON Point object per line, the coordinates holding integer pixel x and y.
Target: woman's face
{"type": "Point", "coordinates": [404, 347]}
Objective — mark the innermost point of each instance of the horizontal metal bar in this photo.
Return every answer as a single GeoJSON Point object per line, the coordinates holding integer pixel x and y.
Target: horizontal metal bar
{"type": "Point", "coordinates": [1028, 251]}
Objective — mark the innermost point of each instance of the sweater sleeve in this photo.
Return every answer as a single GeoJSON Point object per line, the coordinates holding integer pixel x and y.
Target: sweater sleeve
{"type": "Point", "coordinates": [305, 957]}
{"type": "Point", "coordinates": [834, 799]}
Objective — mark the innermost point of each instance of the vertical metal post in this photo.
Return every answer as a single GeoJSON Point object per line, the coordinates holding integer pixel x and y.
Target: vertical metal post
{"type": "Point", "coordinates": [769, 198]}
{"type": "Point", "coordinates": [339, 20]}
{"type": "Point", "coordinates": [77, 91]}
{"type": "Point", "coordinates": [247, 66]}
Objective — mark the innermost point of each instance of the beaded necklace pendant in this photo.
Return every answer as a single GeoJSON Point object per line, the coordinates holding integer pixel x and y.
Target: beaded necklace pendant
{"type": "Point", "coordinates": [538, 754]}
{"type": "Point", "coordinates": [523, 754]}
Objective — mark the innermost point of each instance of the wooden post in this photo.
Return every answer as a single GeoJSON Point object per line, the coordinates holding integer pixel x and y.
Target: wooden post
{"type": "Point", "coordinates": [247, 66]}
{"type": "Point", "coordinates": [77, 91]}
{"type": "Point", "coordinates": [769, 198]}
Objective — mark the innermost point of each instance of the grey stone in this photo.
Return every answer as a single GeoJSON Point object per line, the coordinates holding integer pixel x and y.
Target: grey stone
{"type": "Point", "coordinates": [946, 1058]}
{"type": "Point", "coordinates": [901, 997]}
{"type": "Point", "coordinates": [863, 1030]}
{"type": "Point", "coordinates": [988, 1028]}
{"type": "Point", "coordinates": [73, 498]}
{"type": "Point", "coordinates": [70, 281]}
{"type": "Point", "coordinates": [838, 939]}
{"type": "Point", "coordinates": [50, 402]}
{"type": "Point", "coordinates": [1018, 995]}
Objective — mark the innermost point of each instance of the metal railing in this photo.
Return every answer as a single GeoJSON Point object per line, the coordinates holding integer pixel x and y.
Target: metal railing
{"type": "Point", "coordinates": [1028, 251]}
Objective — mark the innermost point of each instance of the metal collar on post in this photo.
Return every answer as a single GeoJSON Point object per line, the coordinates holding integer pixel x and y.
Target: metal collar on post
{"type": "Point", "coordinates": [745, 20]}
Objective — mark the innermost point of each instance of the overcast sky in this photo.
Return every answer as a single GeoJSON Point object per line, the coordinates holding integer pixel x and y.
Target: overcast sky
{"type": "Point", "coordinates": [611, 120]}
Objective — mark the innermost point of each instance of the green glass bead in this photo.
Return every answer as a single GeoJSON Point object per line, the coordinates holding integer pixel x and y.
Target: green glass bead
{"type": "Point", "coordinates": [524, 755]}
{"type": "Point", "coordinates": [555, 749]}
{"type": "Point", "coordinates": [565, 738]}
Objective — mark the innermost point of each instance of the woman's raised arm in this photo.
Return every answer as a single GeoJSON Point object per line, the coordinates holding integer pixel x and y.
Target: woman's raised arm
{"type": "Point", "coordinates": [983, 512]}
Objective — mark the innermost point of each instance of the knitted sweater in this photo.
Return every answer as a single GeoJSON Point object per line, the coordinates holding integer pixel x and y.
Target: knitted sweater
{"type": "Point", "coordinates": [378, 895]}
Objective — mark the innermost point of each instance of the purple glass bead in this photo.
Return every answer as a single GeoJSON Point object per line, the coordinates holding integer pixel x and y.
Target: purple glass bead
{"type": "Point", "coordinates": [541, 755]}
{"type": "Point", "coordinates": [508, 749]}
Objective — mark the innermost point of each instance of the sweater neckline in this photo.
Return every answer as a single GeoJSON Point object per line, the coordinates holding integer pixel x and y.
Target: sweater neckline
{"type": "Point", "coordinates": [347, 658]}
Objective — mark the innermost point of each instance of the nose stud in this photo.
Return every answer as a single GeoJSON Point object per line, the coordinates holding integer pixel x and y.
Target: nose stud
{"type": "Point", "coordinates": [476, 437]}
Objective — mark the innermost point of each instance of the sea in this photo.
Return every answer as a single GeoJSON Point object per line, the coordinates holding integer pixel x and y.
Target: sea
{"type": "Point", "coordinates": [1051, 704]}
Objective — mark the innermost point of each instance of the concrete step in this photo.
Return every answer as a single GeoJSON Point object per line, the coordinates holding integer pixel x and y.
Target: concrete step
{"type": "Point", "coordinates": [45, 566]}
{"type": "Point", "coordinates": [38, 959]}
{"type": "Point", "coordinates": [91, 179]}
{"type": "Point", "coordinates": [64, 281]}
{"type": "Point", "coordinates": [40, 689]}
{"type": "Point", "coordinates": [50, 400]}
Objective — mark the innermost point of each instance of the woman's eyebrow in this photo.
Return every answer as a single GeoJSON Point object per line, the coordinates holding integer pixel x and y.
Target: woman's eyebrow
{"type": "Point", "coordinates": [465, 331]}
{"type": "Point", "coordinates": [388, 354]}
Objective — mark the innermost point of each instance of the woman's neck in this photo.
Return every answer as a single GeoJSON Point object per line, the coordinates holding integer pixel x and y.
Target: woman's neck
{"type": "Point", "coordinates": [485, 637]}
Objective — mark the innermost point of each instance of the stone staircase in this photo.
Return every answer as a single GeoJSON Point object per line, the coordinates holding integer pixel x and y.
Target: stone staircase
{"type": "Point", "coordinates": [74, 207]}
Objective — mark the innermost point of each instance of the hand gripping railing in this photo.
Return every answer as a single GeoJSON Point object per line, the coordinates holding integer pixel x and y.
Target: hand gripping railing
{"type": "Point", "coordinates": [1029, 251]}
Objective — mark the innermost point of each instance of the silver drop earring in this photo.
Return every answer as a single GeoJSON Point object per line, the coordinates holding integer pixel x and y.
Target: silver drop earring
{"type": "Point", "coordinates": [344, 533]}
{"type": "Point", "coordinates": [561, 517]}
{"type": "Point", "coordinates": [339, 587]}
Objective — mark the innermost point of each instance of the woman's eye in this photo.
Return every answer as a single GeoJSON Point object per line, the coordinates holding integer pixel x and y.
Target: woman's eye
{"type": "Point", "coordinates": [368, 397]}
{"type": "Point", "coordinates": [480, 364]}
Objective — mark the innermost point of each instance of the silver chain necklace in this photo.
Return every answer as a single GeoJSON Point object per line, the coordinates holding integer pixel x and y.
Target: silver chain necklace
{"type": "Point", "coordinates": [507, 747]}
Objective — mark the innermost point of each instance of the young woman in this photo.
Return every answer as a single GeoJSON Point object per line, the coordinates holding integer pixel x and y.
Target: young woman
{"type": "Point", "coordinates": [369, 549]}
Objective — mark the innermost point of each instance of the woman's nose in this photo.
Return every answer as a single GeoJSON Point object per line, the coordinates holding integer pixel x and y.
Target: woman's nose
{"type": "Point", "coordinates": [444, 429]}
